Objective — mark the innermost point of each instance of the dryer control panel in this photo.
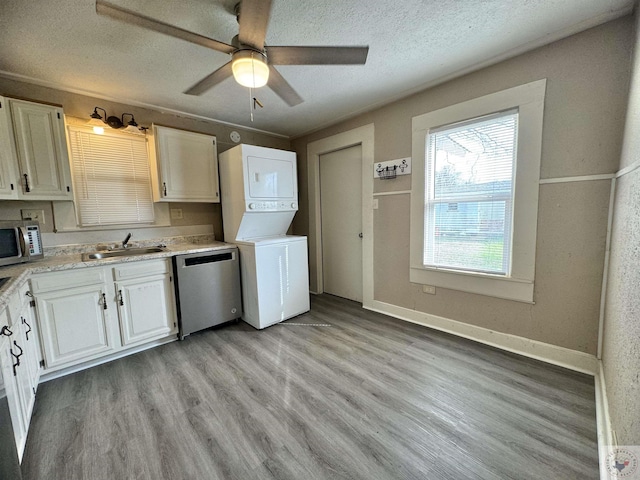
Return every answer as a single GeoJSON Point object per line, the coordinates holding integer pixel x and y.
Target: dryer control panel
{"type": "Point", "coordinates": [272, 206]}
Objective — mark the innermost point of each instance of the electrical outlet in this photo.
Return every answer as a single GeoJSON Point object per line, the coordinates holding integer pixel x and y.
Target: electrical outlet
{"type": "Point", "coordinates": [176, 213]}
{"type": "Point", "coordinates": [37, 215]}
{"type": "Point", "coordinates": [430, 289]}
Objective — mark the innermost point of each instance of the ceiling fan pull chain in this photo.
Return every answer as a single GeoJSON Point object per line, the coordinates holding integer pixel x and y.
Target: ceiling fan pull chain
{"type": "Point", "coordinates": [250, 97]}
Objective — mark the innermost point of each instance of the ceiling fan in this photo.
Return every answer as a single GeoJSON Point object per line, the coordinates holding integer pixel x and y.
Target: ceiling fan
{"type": "Point", "coordinates": [252, 62]}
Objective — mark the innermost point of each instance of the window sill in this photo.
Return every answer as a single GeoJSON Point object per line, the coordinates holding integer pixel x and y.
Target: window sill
{"type": "Point", "coordinates": [518, 290]}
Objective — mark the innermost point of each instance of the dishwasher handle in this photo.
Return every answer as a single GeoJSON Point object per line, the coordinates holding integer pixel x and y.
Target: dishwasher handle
{"type": "Point", "coordinates": [204, 259]}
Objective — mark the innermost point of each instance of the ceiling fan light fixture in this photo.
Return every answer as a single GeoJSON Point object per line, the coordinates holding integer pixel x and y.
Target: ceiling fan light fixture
{"type": "Point", "coordinates": [250, 68]}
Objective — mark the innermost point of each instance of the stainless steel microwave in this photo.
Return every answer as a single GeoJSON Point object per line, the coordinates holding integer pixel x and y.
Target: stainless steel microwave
{"type": "Point", "coordinates": [20, 241]}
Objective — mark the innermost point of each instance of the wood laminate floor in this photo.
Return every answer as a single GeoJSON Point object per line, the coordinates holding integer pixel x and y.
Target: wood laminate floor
{"type": "Point", "coordinates": [368, 397]}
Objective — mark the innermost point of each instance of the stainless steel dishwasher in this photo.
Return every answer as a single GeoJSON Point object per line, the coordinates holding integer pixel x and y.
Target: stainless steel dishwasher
{"type": "Point", "coordinates": [207, 289]}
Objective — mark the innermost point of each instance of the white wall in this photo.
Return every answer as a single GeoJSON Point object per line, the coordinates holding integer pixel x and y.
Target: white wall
{"type": "Point", "coordinates": [587, 81]}
{"type": "Point", "coordinates": [621, 345]}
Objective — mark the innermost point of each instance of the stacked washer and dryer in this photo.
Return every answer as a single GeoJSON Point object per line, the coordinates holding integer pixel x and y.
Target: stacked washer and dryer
{"type": "Point", "coordinates": [259, 200]}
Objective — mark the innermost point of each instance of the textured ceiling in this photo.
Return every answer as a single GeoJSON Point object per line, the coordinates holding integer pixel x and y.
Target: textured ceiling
{"type": "Point", "coordinates": [413, 44]}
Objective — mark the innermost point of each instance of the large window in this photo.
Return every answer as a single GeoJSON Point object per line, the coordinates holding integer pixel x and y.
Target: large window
{"type": "Point", "coordinates": [469, 194]}
{"type": "Point", "coordinates": [111, 177]}
{"type": "Point", "coordinates": [475, 194]}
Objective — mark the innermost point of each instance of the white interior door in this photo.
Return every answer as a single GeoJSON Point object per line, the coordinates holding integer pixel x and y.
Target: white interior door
{"type": "Point", "coordinates": [341, 207]}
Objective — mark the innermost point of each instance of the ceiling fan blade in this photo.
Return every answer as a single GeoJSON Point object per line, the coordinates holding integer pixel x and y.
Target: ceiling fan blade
{"type": "Point", "coordinates": [134, 18]}
{"type": "Point", "coordinates": [317, 55]}
{"type": "Point", "coordinates": [253, 20]}
{"type": "Point", "coordinates": [281, 87]}
{"type": "Point", "coordinates": [211, 80]}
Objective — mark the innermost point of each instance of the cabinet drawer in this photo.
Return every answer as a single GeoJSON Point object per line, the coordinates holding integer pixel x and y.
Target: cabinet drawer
{"type": "Point", "coordinates": [141, 269]}
{"type": "Point", "coordinates": [49, 282]}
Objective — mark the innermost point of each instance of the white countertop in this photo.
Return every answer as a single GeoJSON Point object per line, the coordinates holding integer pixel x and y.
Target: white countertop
{"type": "Point", "coordinates": [20, 273]}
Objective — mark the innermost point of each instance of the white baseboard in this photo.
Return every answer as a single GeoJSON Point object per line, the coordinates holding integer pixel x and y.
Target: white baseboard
{"type": "Point", "coordinates": [564, 357]}
{"type": "Point", "coordinates": [603, 421]}
{"type": "Point", "coordinates": [61, 372]}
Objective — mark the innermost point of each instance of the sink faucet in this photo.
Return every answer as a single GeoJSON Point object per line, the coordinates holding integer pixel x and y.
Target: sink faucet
{"type": "Point", "coordinates": [126, 240]}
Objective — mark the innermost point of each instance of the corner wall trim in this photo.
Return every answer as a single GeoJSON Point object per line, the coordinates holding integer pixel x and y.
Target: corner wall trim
{"type": "Point", "coordinates": [563, 357]}
{"type": "Point", "coordinates": [603, 421]}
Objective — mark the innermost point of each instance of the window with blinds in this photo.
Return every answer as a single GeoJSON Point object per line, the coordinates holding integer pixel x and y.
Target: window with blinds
{"type": "Point", "coordinates": [111, 177]}
{"type": "Point", "coordinates": [469, 194]}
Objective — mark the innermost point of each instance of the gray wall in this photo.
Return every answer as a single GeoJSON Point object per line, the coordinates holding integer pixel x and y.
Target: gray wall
{"type": "Point", "coordinates": [621, 346]}
{"type": "Point", "coordinates": [587, 82]}
{"type": "Point", "coordinates": [82, 106]}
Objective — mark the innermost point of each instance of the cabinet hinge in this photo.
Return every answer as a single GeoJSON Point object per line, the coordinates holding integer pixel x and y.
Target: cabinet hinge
{"type": "Point", "coordinates": [175, 324]}
{"type": "Point", "coordinates": [32, 303]}
{"type": "Point", "coordinates": [58, 115]}
{"type": "Point", "coordinates": [42, 363]}
{"type": "Point", "coordinates": [170, 278]}
{"type": "Point", "coordinates": [68, 189]}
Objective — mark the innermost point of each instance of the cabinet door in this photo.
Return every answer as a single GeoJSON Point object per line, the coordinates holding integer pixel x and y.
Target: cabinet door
{"type": "Point", "coordinates": [187, 166]}
{"type": "Point", "coordinates": [26, 390]}
{"type": "Point", "coordinates": [33, 352]}
{"type": "Point", "coordinates": [9, 181]}
{"type": "Point", "coordinates": [146, 308]}
{"type": "Point", "coordinates": [11, 390]}
{"type": "Point", "coordinates": [42, 151]}
{"type": "Point", "coordinates": [73, 324]}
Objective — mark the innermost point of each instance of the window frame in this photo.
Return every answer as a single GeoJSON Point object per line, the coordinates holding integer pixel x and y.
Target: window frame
{"type": "Point", "coordinates": [117, 136]}
{"type": "Point", "coordinates": [518, 285]}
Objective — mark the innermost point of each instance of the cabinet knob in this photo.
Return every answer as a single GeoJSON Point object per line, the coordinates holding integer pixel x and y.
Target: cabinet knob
{"type": "Point", "coordinates": [6, 331]}
{"type": "Point", "coordinates": [120, 300]}
{"type": "Point", "coordinates": [104, 301]}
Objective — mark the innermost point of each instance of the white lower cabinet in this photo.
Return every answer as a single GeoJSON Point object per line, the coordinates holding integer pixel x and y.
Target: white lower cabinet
{"type": "Point", "coordinates": [145, 300]}
{"type": "Point", "coordinates": [74, 324]}
{"type": "Point", "coordinates": [20, 357]}
{"type": "Point", "coordinates": [9, 366]}
{"type": "Point", "coordinates": [86, 314]}
{"type": "Point", "coordinates": [73, 315]}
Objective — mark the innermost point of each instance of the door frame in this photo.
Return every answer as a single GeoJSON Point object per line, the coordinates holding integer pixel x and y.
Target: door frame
{"type": "Point", "coordinates": [363, 136]}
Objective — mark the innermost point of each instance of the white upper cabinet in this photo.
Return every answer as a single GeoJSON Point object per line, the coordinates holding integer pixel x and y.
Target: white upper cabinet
{"type": "Point", "coordinates": [9, 179]}
{"type": "Point", "coordinates": [41, 150]}
{"type": "Point", "coordinates": [187, 166]}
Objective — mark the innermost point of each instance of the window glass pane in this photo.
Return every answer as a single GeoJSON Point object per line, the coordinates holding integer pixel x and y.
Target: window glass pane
{"type": "Point", "coordinates": [469, 194]}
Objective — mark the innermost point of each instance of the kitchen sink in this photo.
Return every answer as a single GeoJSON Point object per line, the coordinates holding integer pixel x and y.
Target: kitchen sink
{"type": "Point", "coordinates": [124, 252]}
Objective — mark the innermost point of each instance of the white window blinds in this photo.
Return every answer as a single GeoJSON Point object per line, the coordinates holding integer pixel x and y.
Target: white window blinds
{"type": "Point", "coordinates": [469, 192]}
{"type": "Point", "coordinates": [111, 177]}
